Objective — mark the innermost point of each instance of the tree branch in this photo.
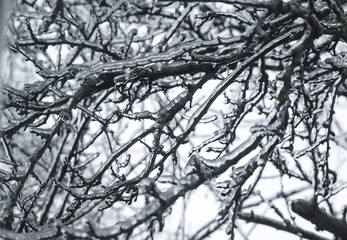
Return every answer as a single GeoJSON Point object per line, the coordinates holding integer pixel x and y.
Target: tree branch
{"type": "Point", "coordinates": [321, 219]}
{"type": "Point", "coordinates": [251, 217]}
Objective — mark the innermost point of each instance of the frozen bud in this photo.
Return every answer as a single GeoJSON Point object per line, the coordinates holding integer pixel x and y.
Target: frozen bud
{"type": "Point", "coordinates": [65, 115]}
{"type": "Point", "coordinates": [133, 32]}
{"type": "Point", "coordinates": [326, 124]}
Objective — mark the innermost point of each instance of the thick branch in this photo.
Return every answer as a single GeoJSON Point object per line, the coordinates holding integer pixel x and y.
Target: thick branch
{"type": "Point", "coordinates": [321, 219]}
{"type": "Point", "coordinates": [251, 217]}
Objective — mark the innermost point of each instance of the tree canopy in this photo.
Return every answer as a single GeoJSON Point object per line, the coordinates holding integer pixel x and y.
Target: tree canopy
{"type": "Point", "coordinates": [116, 115]}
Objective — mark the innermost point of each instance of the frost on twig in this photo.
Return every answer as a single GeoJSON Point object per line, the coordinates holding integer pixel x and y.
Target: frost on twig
{"type": "Point", "coordinates": [103, 100]}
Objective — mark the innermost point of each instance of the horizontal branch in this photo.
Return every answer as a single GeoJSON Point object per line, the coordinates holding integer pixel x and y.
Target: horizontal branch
{"type": "Point", "coordinates": [321, 219]}
{"type": "Point", "coordinates": [251, 217]}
